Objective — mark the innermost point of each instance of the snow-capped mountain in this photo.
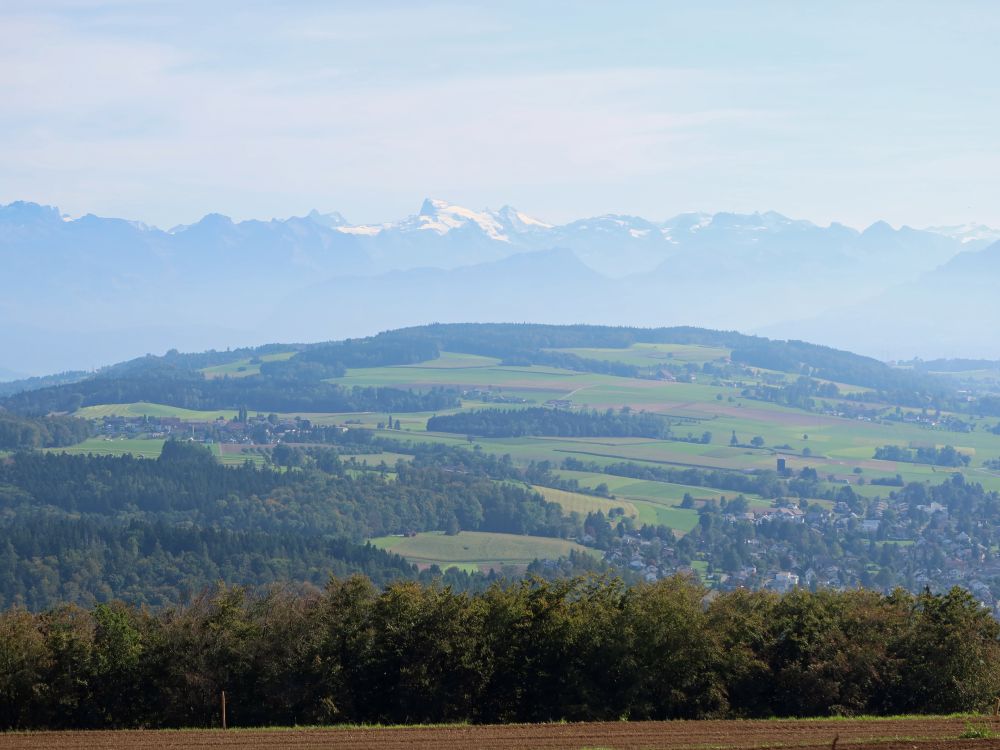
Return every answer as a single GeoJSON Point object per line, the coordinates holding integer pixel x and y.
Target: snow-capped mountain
{"type": "Point", "coordinates": [73, 284]}
{"type": "Point", "coordinates": [441, 217]}
{"type": "Point", "coordinates": [444, 235]}
{"type": "Point", "coordinates": [974, 236]}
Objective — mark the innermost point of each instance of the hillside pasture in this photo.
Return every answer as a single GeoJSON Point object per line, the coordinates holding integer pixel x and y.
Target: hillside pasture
{"type": "Point", "coordinates": [643, 355]}
{"type": "Point", "coordinates": [533, 383]}
{"type": "Point", "coordinates": [838, 445]}
{"type": "Point", "coordinates": [454, 361]}
{"type": "Point", "coordinates": [233, 454]}
{"type": "Point", "coordinates": [657, 503]}
{"type": "Point", "coordinates": [476, 550]}
{"type": "Point", "coordinates": [147, 409]}
{"type": "Point", "coordinates": [241, 368]}
{"type": "Point", "coordinates": [100, 446]}
{"type": "Point", "coordinates": [578, 502]}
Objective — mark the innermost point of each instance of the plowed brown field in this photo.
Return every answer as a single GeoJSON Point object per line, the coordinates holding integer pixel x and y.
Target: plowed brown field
{"type": "Point", "coordinates": [886, 734]}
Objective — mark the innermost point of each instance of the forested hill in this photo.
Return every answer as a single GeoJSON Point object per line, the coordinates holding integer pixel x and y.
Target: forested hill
{"type": "Point", "coordinates": [84, 528]}
{"type": "Point", "coordinates": [533, 344]}
{"type": "Point", "coordinates": [301, 379]}
{"type": "Point", "coordinates": [292, 392]}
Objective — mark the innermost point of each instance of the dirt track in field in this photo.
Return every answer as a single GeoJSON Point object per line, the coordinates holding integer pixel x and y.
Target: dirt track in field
{"type": "Point", "coordinates": [894, 734]}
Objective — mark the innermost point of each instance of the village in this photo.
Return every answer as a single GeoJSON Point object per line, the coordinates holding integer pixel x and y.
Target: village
{"type": "Point", "coordinates": [889, 543]}
{"type": "Point", "coordinates": [259, 429]}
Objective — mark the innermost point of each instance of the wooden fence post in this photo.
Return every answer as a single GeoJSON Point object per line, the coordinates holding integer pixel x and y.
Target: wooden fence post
{"type": "Point", "coordinates": [223, 709]}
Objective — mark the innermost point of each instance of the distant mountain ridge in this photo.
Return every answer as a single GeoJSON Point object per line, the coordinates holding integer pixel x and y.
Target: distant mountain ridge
{"type": "Point", "coordinates": [956, 306]}
{"type": "Point", "coordinates": [79, 292]}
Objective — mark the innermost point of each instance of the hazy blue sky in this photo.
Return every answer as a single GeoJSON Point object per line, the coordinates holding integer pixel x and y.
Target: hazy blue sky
{"type": "Point", "coordinates": [826, 111]}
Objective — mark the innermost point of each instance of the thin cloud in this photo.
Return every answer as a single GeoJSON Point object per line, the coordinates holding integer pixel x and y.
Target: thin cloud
{"type": "Point", "coordinates": [257, 109]}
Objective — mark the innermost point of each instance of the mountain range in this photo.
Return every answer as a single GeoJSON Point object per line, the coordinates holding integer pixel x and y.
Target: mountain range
{"type": "Point", "coordinates": [82, 292]}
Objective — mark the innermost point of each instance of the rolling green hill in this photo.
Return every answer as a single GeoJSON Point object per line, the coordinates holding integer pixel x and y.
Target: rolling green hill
{"type": "Point", "coordinates": [660, 450]}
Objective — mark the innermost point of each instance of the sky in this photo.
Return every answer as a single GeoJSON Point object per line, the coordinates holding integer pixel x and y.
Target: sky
{"type": "Point", "coordinates": [163, 112]}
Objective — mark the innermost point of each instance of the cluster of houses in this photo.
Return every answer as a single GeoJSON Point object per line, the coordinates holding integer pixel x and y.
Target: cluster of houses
{"type": "Point", "coordinates": [491, 396]}
{"type": "Point", "coordinates": [649, 558]}
{"type": "Point", "coordinates": [930, 547]}
{"type": "Point", "coordinates": [936, 421]}
{"type": "Point", "coordinates": [257, 429]}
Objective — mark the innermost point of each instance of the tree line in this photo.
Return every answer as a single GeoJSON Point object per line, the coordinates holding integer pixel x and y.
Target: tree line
{"type": "Point", "coordinates": [26, 433]}
{"type": "Point", "coordinates": [551, 422]}
{"type": "Point", "coordinates": [48, 561]}
{"type": "Point", "coordinates": [764, 483]}
{"type": "Point", "coordinates": [946, 456]}
{"type": "Point", "coordinates": [282, 388]}
{"type": "Point", "coordinates": [580, 649]}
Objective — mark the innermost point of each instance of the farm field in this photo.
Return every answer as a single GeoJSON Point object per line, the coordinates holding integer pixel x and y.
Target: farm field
{"type": "Point", "coordinates": [578, 502]}
{"type": "Point", "coordinates": [114, 447]}
{"type": "Point", "coordinates": [702, 407]}
{"type": "Point", "coordinates": [243, 367]}
{"type": "Point", "coordinates": [656, 502]}
{"type": "Point", "coordinates": [834, 446]}
{"type": "Point", "coordinates": [454, 360]}
{"type": "Point", "coordinates": [476, 550]}
{"type": "Point", "coordinates": [886, 734]}
{"type": "Point", "coordinates": [232, 454]}
{"type": "Point", "coordinates": [652, 354]}
{"type": "Point", "coordinates": [146, 409]}
{"type": "Point", "coordinates": [151, 448]}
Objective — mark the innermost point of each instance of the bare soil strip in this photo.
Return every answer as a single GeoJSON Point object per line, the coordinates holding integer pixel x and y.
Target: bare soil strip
{"type": "Point", "coordinates": [886, 734]}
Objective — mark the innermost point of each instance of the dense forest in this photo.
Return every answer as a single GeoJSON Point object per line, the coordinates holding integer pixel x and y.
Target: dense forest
{"type": "Point", "coordinates": [288, 388]}
{"type": "Point", "coordinates": [291, 524]}
{"type": "Point", "coordinates": [579, 649]}
{"type": "Point", "coordinates": [19, 433]}
{"type": "Point", "coordinates": [10, 387]}
{"type": "Point", "coordinates": [551, 422]}
{"type": "Point", "coordinates": [898, 386]}
{"type": "Point", "coordinates": [946, 456]}
{"type": "Point", "coordinates": [45, 561]}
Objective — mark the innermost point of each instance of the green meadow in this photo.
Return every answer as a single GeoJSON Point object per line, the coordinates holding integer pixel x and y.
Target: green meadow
{"type": "Point", "coordinates": [114, 447]}
{"type": "Point", "coordinates": [241, 368]}
{"type": "Point", "coordinates": [578, 502]}
{"type": "Point", "coordinates": [653, 354]}
{"type": "Point", "coordinates": [475, 550]}
{"type": "Point", "coordinates": [146, 409]}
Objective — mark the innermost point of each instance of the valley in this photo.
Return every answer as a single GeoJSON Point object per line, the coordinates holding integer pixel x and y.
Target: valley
{"type": "Point", "coordinates": [734, 487]}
